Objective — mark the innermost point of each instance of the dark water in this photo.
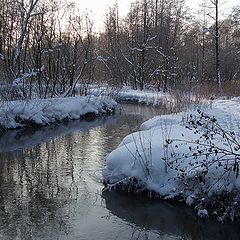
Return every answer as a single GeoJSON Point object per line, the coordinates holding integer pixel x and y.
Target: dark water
{"type": "Point", "coordinates": [50, 188]}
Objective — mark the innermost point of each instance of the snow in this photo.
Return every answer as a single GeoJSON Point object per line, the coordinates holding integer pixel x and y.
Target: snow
{"type": "Point", "coordinates": [15, 114]}
{"type": "Point", "coordinates": [18, 82]}
{"type": "Point", "coordinates": [33, 73]}
{"type": "Point", "coordinates": [203, 213]}
{"type": "Point", "coordinates": [146, 96]}
{"type": "Point", "coordinates": [182, 155]}
{"type": "Point", "coordinates": [102, 59]}
{"type": "Point", "coordinates": [230, 106]}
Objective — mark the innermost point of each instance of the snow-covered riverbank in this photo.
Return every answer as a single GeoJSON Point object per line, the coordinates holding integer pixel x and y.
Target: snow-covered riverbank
{"type": "Point", "coordinates": [190, 156]}
{"type": "Point", "coordinates": [40, 112]}
{"type": "Point", "coordinates": [126, 94]}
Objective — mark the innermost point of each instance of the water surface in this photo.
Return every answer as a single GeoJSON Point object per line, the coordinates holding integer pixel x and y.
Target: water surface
{"type": "Point", "coordinates": [50, 187]}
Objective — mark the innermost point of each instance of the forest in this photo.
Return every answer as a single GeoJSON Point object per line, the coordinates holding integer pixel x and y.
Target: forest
{"type": "Point", "coordinates": [47, 48]}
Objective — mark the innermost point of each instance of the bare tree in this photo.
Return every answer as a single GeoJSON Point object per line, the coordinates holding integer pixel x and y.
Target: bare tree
{"type": "Point", "coordinates": [26, 12]}
{"type": "Point", "coordinates": [217, 37]}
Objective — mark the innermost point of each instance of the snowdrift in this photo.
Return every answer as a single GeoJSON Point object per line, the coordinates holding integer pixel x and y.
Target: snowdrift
{"type": "Point", "coordinates": [40, 112]}
{"type": "Point", "coordinates": [191, 157]}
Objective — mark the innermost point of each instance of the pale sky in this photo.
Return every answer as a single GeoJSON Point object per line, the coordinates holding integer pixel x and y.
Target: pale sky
{"type": "Point", "coordinates": [99, 7]}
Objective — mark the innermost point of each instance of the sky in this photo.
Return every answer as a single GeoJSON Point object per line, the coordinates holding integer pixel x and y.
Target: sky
{"type": "Point", "coordinates": [99, 7]}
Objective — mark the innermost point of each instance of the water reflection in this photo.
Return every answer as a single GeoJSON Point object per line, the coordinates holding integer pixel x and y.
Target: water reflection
{"type": "Point", "coordinates": [32, 195]}
{"type": "Point", "coordinates": [167, 219]}
{"type": "Point", "coordinates": [50, 187]}
{"type": "Point", "coordinates": [127, 119]}
{"type": "Point", "coordinates": [51, 175]}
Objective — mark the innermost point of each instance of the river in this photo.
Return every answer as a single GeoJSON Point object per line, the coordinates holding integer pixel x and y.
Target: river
{"type": "Point", "coordinates": [50, 187]}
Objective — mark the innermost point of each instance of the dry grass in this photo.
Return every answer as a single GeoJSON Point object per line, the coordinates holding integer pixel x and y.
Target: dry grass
{"type": "Point", "coordinates": [210, 90]}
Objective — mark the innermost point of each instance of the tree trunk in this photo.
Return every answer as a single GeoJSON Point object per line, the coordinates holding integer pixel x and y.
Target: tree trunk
{"type": "Point", "coordinates": [218, 77]}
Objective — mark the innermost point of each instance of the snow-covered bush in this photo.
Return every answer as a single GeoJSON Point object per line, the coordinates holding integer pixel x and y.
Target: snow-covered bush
{"type": "Point", "coordinates": [195, 161]}
{"type": "Point", "coordinates": [212, 173]}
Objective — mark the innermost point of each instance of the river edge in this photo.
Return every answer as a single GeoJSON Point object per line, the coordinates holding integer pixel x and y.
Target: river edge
{"type": "Point", "coordinates": [41, 112]}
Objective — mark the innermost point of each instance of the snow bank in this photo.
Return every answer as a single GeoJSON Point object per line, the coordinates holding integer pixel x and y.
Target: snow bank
{"type": "Point", "coordinates": [145, 96]}
{"type": "Point", "coordinates": [187, 156]}
{"type": "Point", "coordinates": [127, 94]}
{"type": "Point", "coordinates": [15, 114]}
